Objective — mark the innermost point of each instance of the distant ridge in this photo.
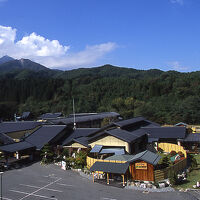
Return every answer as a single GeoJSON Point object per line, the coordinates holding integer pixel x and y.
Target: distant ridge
{"type": "Point", "coordinates": [20, 65]}
{"type": "Point", "coordinates": [5, 59]}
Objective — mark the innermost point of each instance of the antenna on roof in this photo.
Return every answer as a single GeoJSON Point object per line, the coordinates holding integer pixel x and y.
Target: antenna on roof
{"type": "Point", "coordinates": [74, 115]}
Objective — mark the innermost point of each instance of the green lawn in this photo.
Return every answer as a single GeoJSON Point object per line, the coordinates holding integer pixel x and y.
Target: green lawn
{"type": "Point", "coordinates": [192, 177]}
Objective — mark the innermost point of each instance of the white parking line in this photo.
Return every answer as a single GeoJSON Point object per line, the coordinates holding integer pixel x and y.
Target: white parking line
{"type": "Point", "coordinates": [39, 187]}
{"type": "Point", "coordinates": [105, 198]}
{"type": "Point", "coordinates": [30, 194]}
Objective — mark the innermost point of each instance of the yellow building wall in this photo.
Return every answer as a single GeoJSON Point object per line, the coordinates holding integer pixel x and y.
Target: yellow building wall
{"type": "Point", "coordinates": [76, 145]}
{"type": "Point", "coordinates": [195, 129]}
{"type": "Point", "coordinates": [111, 141]}
{"type": "Point", "coordinates": [168, 147]}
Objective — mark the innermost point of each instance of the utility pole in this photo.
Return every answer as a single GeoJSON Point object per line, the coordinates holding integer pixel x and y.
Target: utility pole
{"type": "Point", "coordinates": [74, 115]}
{"type": "Point", "coordinates": [1, 173]}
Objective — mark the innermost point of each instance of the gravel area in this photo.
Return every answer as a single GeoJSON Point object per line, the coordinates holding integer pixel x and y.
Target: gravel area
{"type": "Point", "coordinates": [166, 189]}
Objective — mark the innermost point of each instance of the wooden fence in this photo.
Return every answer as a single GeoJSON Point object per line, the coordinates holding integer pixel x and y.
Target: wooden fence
{"type": "Point", "coordinates": [168, 147]}
{"type": "Point", "coordinates": [90, 161]}
{"type": "Point", "coordinates": [162, 174]}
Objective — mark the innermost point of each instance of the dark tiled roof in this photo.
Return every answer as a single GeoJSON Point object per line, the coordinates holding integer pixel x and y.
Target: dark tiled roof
{"type": "Point", "coordinates": [124, 157]}
{"type": "Point", "coordinates": [166, 132]}
{"type": "Point", "coordinates": [7, 127]}
{"type": "Point", "coordinates": [117, 168]}
{"type": "Point", "coordinates": [123, 135]}
{"type": "Point", "coordinates": [85, 118]}
{"type": "Point", "coordinates": [82, 114]}
{"type": "Point", "coordinates": [138, 132]}
{"type": "Point", "coordinates": [192, 137]}
{"type": "Point", "coordinates": [79, 132]}
{"type": "Point", "coordinates": [147, 156]}
{"type": "Point", "coordinates": [4, 139]}
{"type": "Point", "coordinates": [82, 140]}
{"type": "Point", "coordinates": [17, 146]}
{"type": "Point", "coordinates": [118, 133]}
{"type": "Point", "coordinates": [94, 137]}
{"type": "Point", "coordinates": [44, 135]}
{"type": "Point", "coordinates": [50, 115]}
{"type": "Point", "coordinates": [150, 140]}
{"type": "Point", "coordinates": [129, 121]}
{"type": "Point", "coordinates": [135, 124]}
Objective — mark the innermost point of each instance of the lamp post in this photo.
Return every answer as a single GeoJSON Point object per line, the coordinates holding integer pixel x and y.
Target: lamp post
{"type": "Point", "coordinates": [1, 173]}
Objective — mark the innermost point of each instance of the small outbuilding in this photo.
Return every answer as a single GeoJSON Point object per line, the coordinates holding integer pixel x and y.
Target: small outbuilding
{"type": "Point", "coordinates": [134, 167]}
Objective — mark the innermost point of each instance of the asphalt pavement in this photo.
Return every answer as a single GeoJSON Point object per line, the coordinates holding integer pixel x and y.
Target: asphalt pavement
{"type": "Point", "coordinates": [36, 182]}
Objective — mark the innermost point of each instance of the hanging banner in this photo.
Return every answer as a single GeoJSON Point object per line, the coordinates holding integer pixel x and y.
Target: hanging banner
{"type": "Point", "coordinates": [140, 165]}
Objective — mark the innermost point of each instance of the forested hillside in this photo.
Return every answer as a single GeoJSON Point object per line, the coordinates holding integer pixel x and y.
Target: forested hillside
{"type": "Point", "coordinates": [164, 97]}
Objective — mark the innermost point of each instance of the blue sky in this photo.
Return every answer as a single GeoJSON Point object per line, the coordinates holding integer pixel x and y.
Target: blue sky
{"type": "Point", "coordinates": [65, 34]}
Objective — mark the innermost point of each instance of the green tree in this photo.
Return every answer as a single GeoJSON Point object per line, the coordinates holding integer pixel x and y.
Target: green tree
{"type": "Point", "coordinates": [80, 160]}
{"type": "Point", "coordinates": [47, 154]}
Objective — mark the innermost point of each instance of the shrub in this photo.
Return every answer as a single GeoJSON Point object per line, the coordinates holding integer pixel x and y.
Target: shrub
{"type": "Point", "coordinates": [165, 161]}
{"type": "Point", "coordinates": [58, 158]}
{"type": "Point", "coordinates": [47, 153]}
{"type": "Point", "coordinates": [193, 162]}
{"type": "Point", "coordinates": [80, 160]}
{"type": "Point", "coordinates": [70, 161]}
{"type": "Point", "coordinates": [65, 152]}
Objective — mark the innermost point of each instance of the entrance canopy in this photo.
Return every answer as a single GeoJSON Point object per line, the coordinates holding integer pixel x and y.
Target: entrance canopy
{"type": "Point", "coordinates": [109, 167]}
{"type": "Point", "coordinates": [106, 150]}
{"type": "Point", "coordinates": [116, 151]}
{"type": "Point", "coordinates": [96, 149]}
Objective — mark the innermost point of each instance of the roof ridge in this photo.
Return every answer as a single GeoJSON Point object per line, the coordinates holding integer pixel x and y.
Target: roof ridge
{"type": "Point", "coordinates": [52, 125]}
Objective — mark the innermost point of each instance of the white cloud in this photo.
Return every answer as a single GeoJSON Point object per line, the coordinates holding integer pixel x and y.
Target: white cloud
{"type": "Point", "coordinates": [177, 1]}
{"type": "Point", "coordinates": [49, 52]}
{"type": "Point", "coordinates": [175, 65]}
{"type": "Point", "coordinates": [36, 45]}
{"type": "Point", "coordinates": [88, 56]}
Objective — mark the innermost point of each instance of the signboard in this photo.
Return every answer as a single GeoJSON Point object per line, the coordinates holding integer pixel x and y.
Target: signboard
{"type": "Point", "coordinates": [63, 165]}
{"type": "Point", "coordinates": [140, 165]}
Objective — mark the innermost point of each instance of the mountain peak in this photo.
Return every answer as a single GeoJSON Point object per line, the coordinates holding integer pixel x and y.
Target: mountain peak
{"type": "Point", "coordinates": [5, 59]}
{"type": "Point", "coordinates": [21, 64]}
{"type": "Point", "coordinates": [21, 61]}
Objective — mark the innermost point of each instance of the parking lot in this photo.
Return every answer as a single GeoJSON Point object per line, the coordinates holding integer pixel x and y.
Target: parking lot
{"type": "Point", "coordinates": [36, 182]}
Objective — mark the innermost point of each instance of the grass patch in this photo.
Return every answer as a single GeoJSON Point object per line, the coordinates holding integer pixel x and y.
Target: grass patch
{"type": "Point", "coordinates": [192, 177]}
{"type": "Point", "coordinates": [197, 157]}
